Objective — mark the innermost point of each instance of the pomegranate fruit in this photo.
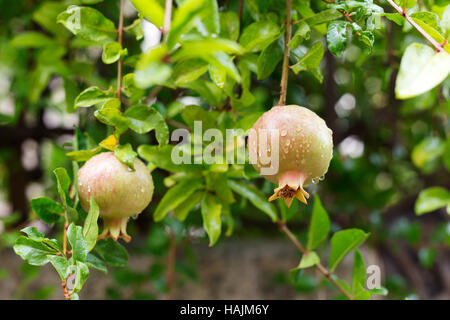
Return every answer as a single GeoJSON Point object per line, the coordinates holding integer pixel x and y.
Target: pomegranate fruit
{"type": "Point", "coordinates": [119, 191]}
{"type": "Point", "coordinates": [300, 143]}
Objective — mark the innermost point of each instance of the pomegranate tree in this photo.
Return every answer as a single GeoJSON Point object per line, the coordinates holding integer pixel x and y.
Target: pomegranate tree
{"type": "Point", "coordinates": [304, 145]}
{"type": "Point", "coordinates": [119, 191]}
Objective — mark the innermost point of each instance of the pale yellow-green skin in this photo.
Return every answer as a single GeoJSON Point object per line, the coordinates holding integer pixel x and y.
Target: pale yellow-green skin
{"type": "Point", "coordinates": [305, 143]}
{"type": "Point", "coordinates": [118, 191]}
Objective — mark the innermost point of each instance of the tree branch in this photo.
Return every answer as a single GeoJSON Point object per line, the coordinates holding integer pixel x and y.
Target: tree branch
{"type": "Point", "coordinates": [171, 263]}
{"type": "Point", "coordinates": [320, 267]}
{"type": "Point", "coordinates": [438, 46]}
{"type": "Point", "coordinates": [287, 39]}
{"type": "Point", "coordinates": [120, 62]}
{"type": "Point", "coordinates": [167, 18]}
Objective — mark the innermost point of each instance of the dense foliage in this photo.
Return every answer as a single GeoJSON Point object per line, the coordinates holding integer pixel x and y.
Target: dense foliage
{"type": "Point", "coordinates": [81, 77]}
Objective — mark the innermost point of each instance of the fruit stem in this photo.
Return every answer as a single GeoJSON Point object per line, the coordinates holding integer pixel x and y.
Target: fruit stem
{"type": "Point", "coordinates": [287, 39]}
{"type": "Point", "coordinates": [284, 228]}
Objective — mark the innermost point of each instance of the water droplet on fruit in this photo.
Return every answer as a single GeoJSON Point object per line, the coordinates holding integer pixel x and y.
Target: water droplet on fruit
{"type": "Point", "coordinates": [315, 181]}
{"type": "Point", "coordinates": [322, 177]}
{"type": "Point", "coordinates": [283, 133]}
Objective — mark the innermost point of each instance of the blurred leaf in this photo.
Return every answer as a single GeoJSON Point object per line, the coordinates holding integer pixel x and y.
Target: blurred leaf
{"type": "Point", "coordinates": [319, 226]}
{"type": "Point", "coordinates": [427, 151]}
{"type": "Point", "coordinates": [256, 197]}
{"type": "Point", "coordinates": [189, 70]}
{"type": "Point", "coordinates": [112, 116]}
{"type": "Point", "coordinates": [212, 222]}
{"type": "Point", "coordinates": [446, 155]}
{"type": "Point", "coordinates": [229, 25]}
{"type": "Point", "coordinates": [342, 243]}
{"type": "Point", "coordinates": [210, 23]}
{"type": "Point", "coordinates": [432, 199]}
{"type": "Point", "coordinates": [445, 21]}
{"type": "Point", "coordinates": [151, 68]}
{"type": "Point", "coordinates": [427, 257]}
{"type": "Point", "coordinates": [32, 39]}
{"type": "Point", "coordinates": [47, 210]}
{"type": "Point", "coordinates": [135, 29]}
{"type": "Point", "coordinates": [337, 37]}
{"type": "Point", "coordinates": [90, 227]}
{"type": "Point", "coordinates": [259, 35]}
{"type": "Point", "coordinates": [193, 113]}
{"type": "Point", "coordinates": [152, 10]}
{"type": "Point", "coordinates": [78, 242]}
{"type": "Point", "coordinates": [63, 184]}
{"type": "Point", "coordinates": [175, 196]}
{"type": "Point", "coordinates": [421, 69]}
{"type": "Point", "coordinates": [82, 273]}
{"type": "Point", "coordinates": [144, 119]}
{"type": "Point", "coordinates": [88, 24]}
{"type": "Point", "coordinates": [83, 155]}
{"type": "Point", "coordinates": [161, 157]}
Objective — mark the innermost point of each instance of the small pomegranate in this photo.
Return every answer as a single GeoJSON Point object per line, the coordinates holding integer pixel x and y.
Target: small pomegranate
{"type": "Point", "coordinates": [119, 191]}
{"type": "Point", "coordinates": [298, 144]}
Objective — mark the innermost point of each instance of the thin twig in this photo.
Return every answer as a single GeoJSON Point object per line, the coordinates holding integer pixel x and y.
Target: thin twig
{"type": "Point", "coordinates": [64, 282]}
{"type": "Point", "coordinates": [167, 18]}
{"type": "Point", "coordinates": [402, 12]}
{"type": "Point", "coordinates": [171, 263]}
{"type": "Point", "coordinates": [320, 267]}
{"type": "Point", "coordinates": [120, 62]}
{"type": "Point", "coordinates": [287, 39]}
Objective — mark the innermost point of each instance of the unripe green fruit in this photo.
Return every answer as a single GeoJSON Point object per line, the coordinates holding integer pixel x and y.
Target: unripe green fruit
{"type": "Point", "coordinates": [119, 191]}
{"type": "Point", "coordinates": [305, 149]}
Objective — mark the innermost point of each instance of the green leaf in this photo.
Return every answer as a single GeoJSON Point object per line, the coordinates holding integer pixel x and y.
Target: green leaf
{"type": "Point", "coordinates": [112, 252]}
{"type": "Point", "coordinates": [33, 252]}
{"type": "Point", "coordinates": [421, 69]}
{"type": "Point", "coordinates": [90, 227]}
{"type": "Point", "coordinates": [112, 116]}
{"type": "Point", "coordinates": [259, 35]}
{"type": "Point", "coordinates": [175, 196]}
{"type": "Point", "coordinates": [144, 119]}
{"type": "Point", "coordinates": [204, 47]}
{"type": "Point", "coordinates": [210, 23]}
{"type": "Point", "coordinates": [189, 70]}
{"type": "Point", "coordinates": [223, 63]}
{"type": "Point", "coordinates": [79, 244]}
{"type": "Point", "coordinates": [152, 10]}
{"type": "Point", "coordinates": [256, 197]}
{"type": "Point", "coordinates": [382, 291]}
{"type": "Point", "coordinates": [161, 157]}
{"type": "Point", "coordinates": [184, 18]}
{"type": "Point", "coordinates": [151, 68]}
{"type": "Point", "coordinates": [88, 24]}
{"type": "Point", "coordinates": [135, 29]}
{"type": "Point", "coordinates": [193, 113]}
{"type": "Point", "coordinates": [337, 37]}
{"type": "Point", "coordinates": [46, 15]}
{"type": "Point", "coordinates": [319, 226]}
{"type": "Point", "coordinates": [83, 155]}
{"type": "Point", "coordinates": [268, 60]}
{"type": "Point", "coordinates": [112, 51]}
{"type": "Point", "coordinates": [212, 222]}
{"type": "Point", "coordinates": [395, 17]}
{"type": "Point", "coordinates": [445, 22]}
{"type": "Point", "coordinates": [432, 199]}
{"type": "Point", "coordinates": [429, 18]}
{"type": "Point", "coordinates": [92, 96]}
{"type": "Point", "coordinates": [342, 243]}
{"type": "Point", "coordinates": [130, 89]}
{"type": "Point", "coordinates": [82, 273]}
{"type": "Point", "coordinates": [359, 272]}
{"type": "Point", "coordinates": [125, 154]}
{"type": "Point", "coordinates": [46, 209]}
{"type": "Point", "coordinates": [309, 260]}
{"type": "Point", "coordinates": [428, 150]}
{"type": "Point", "coordinates": [446, 155]}
{"type": "Point", "coordinates": [95, 262]}
{"type": "Point", "coordinates": [311, 60]}
{"type": "Point", "coordinates": [33, 233]}
{"type": "Point", "coordinates": [32, 39]}
{"type": "Point", "coordinates": [63, 184]}
{"type": "Point", "coordinates": [302, 33]}
{"type": "Point", "coordinates": [61, 265]}
{"type": "Point", "coordinates": [182, 211]}
{"type": "Point", "coordinates": [229, 25]}
{"type": "Point", "coordinates": [323, 16]}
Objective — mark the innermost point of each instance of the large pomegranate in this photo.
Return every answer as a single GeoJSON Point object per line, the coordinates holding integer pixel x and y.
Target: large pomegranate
{"type": "Point", "coordinates": [119, 191]}
{"type": "Point", "coordinates": [296, 139]}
